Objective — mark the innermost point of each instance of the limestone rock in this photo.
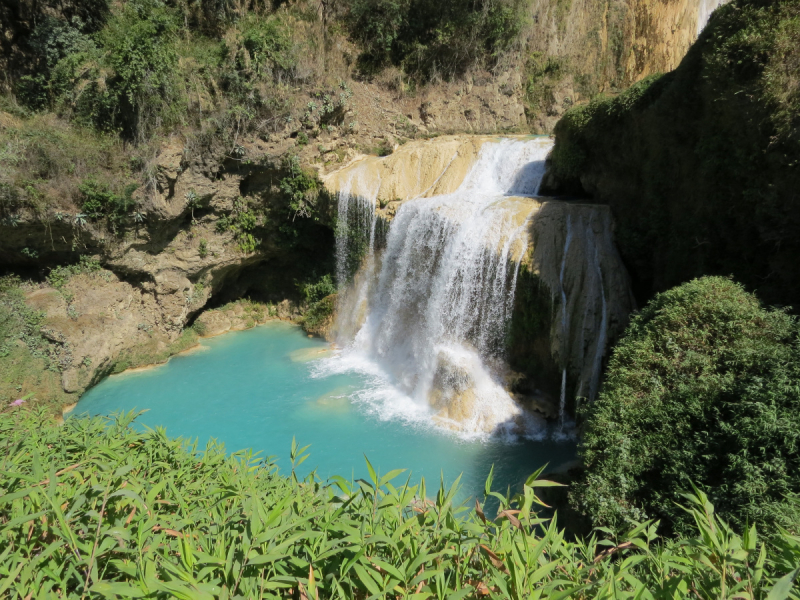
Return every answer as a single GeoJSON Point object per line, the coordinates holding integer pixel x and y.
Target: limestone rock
{"type": "Point", "coordinates": [214, 322]}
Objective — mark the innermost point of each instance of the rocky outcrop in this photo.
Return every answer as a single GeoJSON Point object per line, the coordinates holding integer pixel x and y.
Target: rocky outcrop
{"type": "Point", "coordinates": [417, 169]}
{"type": "Point", "coordinates": [700, 166]}
{"type": "Point", "coordinates": [95, 318]}
{"type": "Point", "coordinates": [160, 273]}
{"type": "Point", "coordinates": [244, 314]}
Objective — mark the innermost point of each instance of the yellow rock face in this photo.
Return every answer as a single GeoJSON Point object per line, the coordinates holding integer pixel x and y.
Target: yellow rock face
{"type": "Point", "coordinates": [417, 169]}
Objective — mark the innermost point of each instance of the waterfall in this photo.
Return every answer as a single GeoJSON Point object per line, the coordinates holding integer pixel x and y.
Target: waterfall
{"type": "Point", "coordinates": [442, 289]}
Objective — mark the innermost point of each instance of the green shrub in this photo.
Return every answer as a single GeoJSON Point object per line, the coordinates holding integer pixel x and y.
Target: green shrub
{"type": "Point", "coordinates": [138, 44]}
{"type": "Point", "coordinates": [17, 320]}
{"type": "Point", "coordinates": [51, 41]}
{"type": "Point", "coordinates": [300, 189]}
{"type": "Point", "coordinates": [314, 292]}
{"type": "Point", "coordinates": [97, 509]}
{"type": "Point", "coordinates": [542, 73]}
{"type": "Point", "coordinates": [702, 388]}
{"type": "Point", "coordinates": [99, 201]}
{"type": "Point", "coordinates": [59, 276]}
{"type": "Point", "coordinates": [30, 363]}
{"type": "Point", "coordinates": [433, 37]}
{"type": "Point", "coordinates": [242, 221]}
{"type": "Point", "coordinates": [319, 315]}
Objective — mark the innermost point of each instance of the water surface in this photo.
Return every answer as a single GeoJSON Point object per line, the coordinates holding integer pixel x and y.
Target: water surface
{"type": "Point", "coordinates": [259, 388]}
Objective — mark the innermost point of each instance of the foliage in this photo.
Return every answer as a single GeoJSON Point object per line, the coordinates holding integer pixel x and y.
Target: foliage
{"type": "Point", "coordinates": [542, 73]}
{"type": "Point", "coordinates": [44, 161]}
{"type": "Point", "coordinates": [98, 509]}
{"type": "Point", "coordinates": [319, 316]}
{"type": "Point", "coordinates": [314, 292]}
{"type": "Point", "coordinates": [300, 189]}
{"type": "Point", "coordinates": [433, 37]}
{"type": "Point", "coordinates": [30, 364]}
{"type": "Point", "coordinates": [265, 48]}
{"type": "Point", "coordinates": [702, 388]}
{"type": "Point", "coordinates": [120, 78]}
{"type": "Point", "coordinates": [18, 321]}
{"type": "Point", "coordinates": [52, 41]}
{"type": "Point", "coordinates": [99, 201]}
{"type": "Point", "coordinates": [328, 108]}
{"type": "Point", "coordinates": [320, 304]}
{"type": "Point", "coordinates": [242, 221]}
{"type": "Point", "coordinates": [59, 276]}
{"type": "Point", "coordinates": [583, 126]}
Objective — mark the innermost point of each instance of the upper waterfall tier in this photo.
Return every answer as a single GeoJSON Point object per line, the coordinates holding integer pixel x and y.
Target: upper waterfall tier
{"type": "Point", "coordinates": [428, 168]}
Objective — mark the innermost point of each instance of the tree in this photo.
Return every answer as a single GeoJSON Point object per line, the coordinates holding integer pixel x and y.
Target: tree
{"type": "Point", "coordinates": [704, 387]}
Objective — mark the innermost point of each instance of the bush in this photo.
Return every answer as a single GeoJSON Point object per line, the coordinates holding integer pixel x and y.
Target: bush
{"type": "Point", "coordinates": [300, 189]}
{"type": "Point", "coordinates": [59, 276]}
{"type": "Point", "coordinates": [98, 509]}
{"type": "Point", "coordinates": [52, 41]}
{"type": "Point", "coordinates": [138, 45]}
{"type": "Point", "coordinates": [314, 292]}
{"type": "Point", "coordinates": [30, 363]}
{"type": "Point", "coordinates": [99, 201]}
{"type": "Point", "coordinates": [434, 37]}
{"type": "Point", "coordinates": [703, 388]}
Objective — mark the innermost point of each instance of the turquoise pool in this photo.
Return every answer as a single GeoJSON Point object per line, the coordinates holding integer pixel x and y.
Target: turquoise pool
{"type": "Point", "coordinates": [259, 388]}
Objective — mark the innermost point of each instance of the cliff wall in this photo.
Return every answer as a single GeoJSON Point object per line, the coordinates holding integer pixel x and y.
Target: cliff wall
{"type": "Point", "coordinates": [700, 166]}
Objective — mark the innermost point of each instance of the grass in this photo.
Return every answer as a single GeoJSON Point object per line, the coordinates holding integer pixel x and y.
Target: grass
{"type": "Point", "coordinates": [98, 509]}
{"type": "Point", "coordinates": [44, 160]}
{"type": "Point", "coordinates": [30, 364]}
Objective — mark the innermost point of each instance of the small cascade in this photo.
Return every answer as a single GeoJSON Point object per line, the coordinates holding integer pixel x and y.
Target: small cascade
{"type": "Point", "coordinates": [356, 227]}
{"type": "Point", "coordinates": [602, 334]}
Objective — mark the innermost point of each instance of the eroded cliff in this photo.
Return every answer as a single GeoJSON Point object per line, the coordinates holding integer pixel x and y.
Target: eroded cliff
{"type": "Point", "coordinates": [700, 166]}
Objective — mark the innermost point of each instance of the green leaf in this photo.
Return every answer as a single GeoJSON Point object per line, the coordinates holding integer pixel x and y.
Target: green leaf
{"type": "Point", "coordinates": [783, 587]}
{"type": "Point", "coordinates": [111, 590]}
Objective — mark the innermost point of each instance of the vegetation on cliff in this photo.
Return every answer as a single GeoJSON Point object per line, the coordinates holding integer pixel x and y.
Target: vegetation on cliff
{"type": "Point", "coordinates": [97, 509]}
{"type": "Point", "coordinates": [434, 38]}
{"type": "Point", "coordinates": [702, 389]}
{"type": "Point", "coordinates": [701, 165]}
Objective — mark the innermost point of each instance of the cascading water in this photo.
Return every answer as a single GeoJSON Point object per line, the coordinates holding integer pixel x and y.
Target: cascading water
{"type": "Point", "coordinates": [442, 297]}
{"type": "Point", "coordinates": [704, 10]}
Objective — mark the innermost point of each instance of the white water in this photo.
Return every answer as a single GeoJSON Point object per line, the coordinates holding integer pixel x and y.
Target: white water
{"type": "Point", "coordinates": [441, 299]}
{"type": "Point", "coordinates": [704, 11]}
